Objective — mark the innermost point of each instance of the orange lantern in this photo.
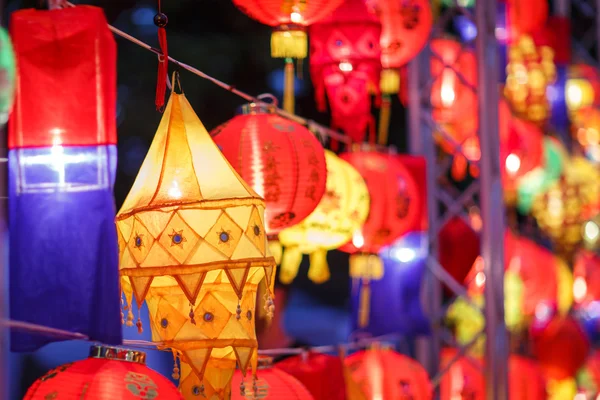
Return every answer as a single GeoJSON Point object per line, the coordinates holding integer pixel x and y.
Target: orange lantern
{"type": "Point", "coordinates": [383, 374]}
{"type": "Point", "coordinates": [280, 159]}
{"type": "Point", "coordinates": [109, 373]}
{"type": "Point", "coordinates": [395, 209]}
{"type": "Point", "coordinates": [561, 348]}
{"type": "Point", "coordinates": [269, 383]}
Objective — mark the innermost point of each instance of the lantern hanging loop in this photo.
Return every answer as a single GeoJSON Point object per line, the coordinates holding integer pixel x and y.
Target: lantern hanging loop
{"type": "Point", "coordinates": [274, 102]}
{"type": "Point", "coordinates": [175, 81]}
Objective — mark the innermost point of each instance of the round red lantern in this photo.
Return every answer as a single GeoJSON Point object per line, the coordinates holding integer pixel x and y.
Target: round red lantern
{"type": "Point", "coordinates": [345, 64]}
{"type": "Point", "coordinates": [405, 29]}
{"type": "Point", "coordinates": [109, 373]}
{"type": "Point", "coordinates": [458, 248]}
{"type": "Point", "coordinates": [280, 159]}
{"type": "Point", "coordinates": [269, 383]}
{"type": "Point", "coordinates": [321, 374]}
{"type": "Point", "coordinates": [526, 381]}
{"type": "Point", "coordinates": [463, 379]}
{"type": "Point", "coordinates": [386, 375]}
{"type": "Point", "coordinates": [561, 348]}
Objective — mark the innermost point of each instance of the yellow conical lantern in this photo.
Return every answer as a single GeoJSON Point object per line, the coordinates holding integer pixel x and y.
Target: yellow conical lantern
{"type": "Point", "coordinates": [192, 244]}
{"type": "Point", "coordinates": [342, 211]}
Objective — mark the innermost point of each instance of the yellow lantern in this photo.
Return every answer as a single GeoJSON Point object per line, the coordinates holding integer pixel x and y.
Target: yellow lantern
{"type": "Point", "coordinates": [192, 244]}
{"type": "Point", "coordinates": [342, 211]}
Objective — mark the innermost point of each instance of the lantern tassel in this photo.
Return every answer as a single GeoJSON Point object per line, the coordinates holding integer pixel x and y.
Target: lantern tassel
{"type": "Point", "coordinates": [364, 304]}
{"type": "Point", "coordinates": [290, 263]}
{"type": "Point", "coordinates": [288, 86]}
{"type": "Point", "coordinates": [318, 272]}
{"type": "Point", "coordinates": [175, 374]}
{"type": "Point", "coordinates": [163, 62]}
{"type": "Point", "coordinates": [384, 119]}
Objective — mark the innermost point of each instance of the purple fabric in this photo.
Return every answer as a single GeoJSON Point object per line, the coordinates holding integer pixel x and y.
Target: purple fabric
{"type": "Point", "coordinates": [63, 246]}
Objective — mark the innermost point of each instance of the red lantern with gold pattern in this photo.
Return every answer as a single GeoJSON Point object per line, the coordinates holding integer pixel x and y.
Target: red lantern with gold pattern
{"type": "Point", "coordinates": [269, 383]}
{"type": "Point", "coordinates": [321, 374]}
{"type": "Point", "coordinates": [405, 29]}
{"type": "Point", "coordinates": [109, 373]}
{"type": "Point", "coordinates": [384, 374]}
{"type": "Point", "coordinates": [345, 66]}
{"type": "Point", "coordinates": [280, 159]}
{"type": "Point", "coordinates": [561, 348]}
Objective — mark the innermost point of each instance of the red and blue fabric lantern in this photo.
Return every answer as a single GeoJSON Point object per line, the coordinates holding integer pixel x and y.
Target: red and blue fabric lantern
{"type": "Point", "coordinates": [62, 164]}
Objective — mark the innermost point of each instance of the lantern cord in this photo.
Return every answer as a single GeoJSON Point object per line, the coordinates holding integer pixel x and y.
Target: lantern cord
{"type": "Point", "coordinates": [44, 330]}
{"type": "Point", "coordinates": [282, 113]}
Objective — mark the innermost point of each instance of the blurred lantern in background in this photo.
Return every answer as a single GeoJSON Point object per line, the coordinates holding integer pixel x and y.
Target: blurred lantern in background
{"type": "Point", "coordinates": [387, 375]}
{"type": "Point", "coordinates": [7, 76]}
{"type": "Point", "coordinates": [108, 373]}
{"type": "Point", "coordinates": [341, 212]}
{"type": "Point", "coordinates": [271, 383]}
{"type": "Point", "coordinates": [62, 165]}
{"type": "Point", "coordinates": [281, 160]}
{"type": "Point", "coordinates": [526, 380]}
{"type": "Point", "coordinates": [586, 286]}
{"type": "Point", "coordinates": [345, 66]}
{"type": "Point", "coordinates": [193, 245]}
{"type": "Point", "coordinates": [405, 30]}
{"type": "Point", "coordinates": [540, 178]}
{"type": "Point", "coordinates": [525, 17]}
{"type": "Point", "coordinates": [588, 377]}
{"type": "Point", "coordinates": [463, 379]}
{"type": "Point", "coordinates": [530, 70]}
{"type": "Point", "coordinates": [321, 374]}
{"type": "Point", "coordinates": [561, 348]}
{"type": "Point", "coordinates": [458, 247]}
{"type": "Point", "coordinates": [560, 208]}
{"type": "Point", "coordinates": [395, 208]}
{"type": "Point", "coordinates": [289, 20]}
{"type": "Point", "coordinates": [582, 87]}
{"type": "Point", "coordinates": [397, 295]}
{"type": "Point", "coordinates": [586, 130]}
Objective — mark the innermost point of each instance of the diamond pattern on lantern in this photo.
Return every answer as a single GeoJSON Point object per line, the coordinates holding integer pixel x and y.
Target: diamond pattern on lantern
{"type": "Point", "coordinates": [248, 304]}
{"type": "Point", "coordinates": [255, 231]}
{"type": "Point", "coordinates": [178, 238]}
{"type": "Point", "coordinates": [211, 316]}
{"type": "Point", "coordinates": [224, 235]}
{"type": "Point", "coordinates": [140, 241]}
{"type": "Point", "coordinates": [168, 321]}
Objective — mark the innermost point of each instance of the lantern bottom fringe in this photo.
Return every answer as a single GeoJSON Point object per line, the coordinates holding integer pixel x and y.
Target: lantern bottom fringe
{"type": "Point", "coordinates": [290, 264]}
{"type": "Point", "coordinates": [318, 272]}
{"type": "Point", "coordinates": [289, 44]}
{"type": "Point", "coordinates": [364, 307]}
{"type": "Point", "coordinates": [276, 250]}
{"type": "Point", "coordinates": [384, 120]}
{"type": "Point", "coordinates": [288, 87]}
{"type": "Point", "coordinates": [389, 82]}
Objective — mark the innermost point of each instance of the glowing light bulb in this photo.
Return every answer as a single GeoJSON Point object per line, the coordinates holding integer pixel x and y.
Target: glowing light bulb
{"type": "Point", "coordinates": [480, 279]}
{"type": "Point", "coordinates": [345, 66]}
{"type": "Point", "coordinates": [296, 17]}
{"type": "Point", "coordinates": [404, 254]}
{"type": "Point", "coordinates": [513, 163]}
{"type": "Point", "coordinates": [174, 190]}
{"type": "Point", "coordinates": [591, 231]}
{"type": "Point", "coordinates": [579, 289]}
{"type": "Point", "coordinates": [358, 240]}
{"type": "Point", "coordinates": [447, 91]}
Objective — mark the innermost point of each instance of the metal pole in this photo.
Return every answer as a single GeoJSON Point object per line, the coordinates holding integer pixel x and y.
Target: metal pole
{"type": "Point", "coordinates": [421, 142]}
{"type": "Point", "coordinates": [491, 199]}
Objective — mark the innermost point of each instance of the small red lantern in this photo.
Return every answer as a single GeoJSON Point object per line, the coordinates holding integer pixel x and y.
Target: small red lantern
{"type": "Point", "coordinates": [109, 373]}
{"type": "Point", "coordinates": [321, 374]}
{"type": "Point", "coordinates": [458, 248]}
{"type": "Point", "coordinates": [280, 159]}
{"type": "Point", "coordinates": [345, 66]}
{"type": "Point", "coordinates": [561, 348]}
{"type": "Point", "coordinates": [268, 383]}
{"type": "Point", "coordinates": [65, 88]}
{"type": "Point", "coordinates": [586, 274]}
{"type": "Point", "coordinates": [405, 29]}
{"type": "Point", "coordinates": [383, 374]}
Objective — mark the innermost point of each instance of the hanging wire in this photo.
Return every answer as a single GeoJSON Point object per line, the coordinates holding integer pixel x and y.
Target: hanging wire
{"type": "Point", "coordinates": [322, 130]}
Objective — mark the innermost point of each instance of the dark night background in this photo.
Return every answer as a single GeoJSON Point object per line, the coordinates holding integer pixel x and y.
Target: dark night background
{"type": "Point", "coordinates": [218, 39]}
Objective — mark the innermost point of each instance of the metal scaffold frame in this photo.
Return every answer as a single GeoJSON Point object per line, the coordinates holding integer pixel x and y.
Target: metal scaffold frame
{"type": "Point", "coordinates": [445, 202]}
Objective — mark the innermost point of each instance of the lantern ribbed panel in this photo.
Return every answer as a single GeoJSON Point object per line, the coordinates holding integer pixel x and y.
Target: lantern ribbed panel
{"type": "Point", "coordinates": [102, 379]}
{"type": "Point", "coordinates": [281, 160]}
{"type": "Point", "coordinates": [387, 375]}
{"type": "Point", "coordinates": [395, 201]}
{"type": "Point", "coordinates": [272, 383]}
{"type": "Point", "coordinates": [278, 12]}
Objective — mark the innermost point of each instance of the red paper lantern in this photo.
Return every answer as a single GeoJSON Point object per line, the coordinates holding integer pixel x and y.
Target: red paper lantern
{"type": "Point", "coordinates": [395, 203]}
{"type": "Point", "coordinates": [387, 375]}
{"type": "Point", "coordinates": [521, 151]}
{"type": "Point", "coordinates": [65, 93]}
{"type": "Point", "coordinates": [405, 29]}
{"type": "Point", "coordinates": [108, 374]}
{"type": "Point", "coordinates": [269, 383]}
{"type": "Point", "coordinates": [321, 374]}
{"type": "Point", "coordinates": [458, 248]}
{"type": "Point", "coordinates": [525, 379]}
{"type": "Point", "coordinates": [525, 16]}
{"type": "Point", "coordinates": [345, 66]}
{"type": "Point", "coordinates": [586, 274]}
{"type": "Point", "coordinates": [561, 348]}
{"type": "Point", "coordinates": [280, 159]}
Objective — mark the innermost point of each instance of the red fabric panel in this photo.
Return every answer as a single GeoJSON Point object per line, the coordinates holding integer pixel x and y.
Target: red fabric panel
{"type": "Point", "coordinates": [67, 78]}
